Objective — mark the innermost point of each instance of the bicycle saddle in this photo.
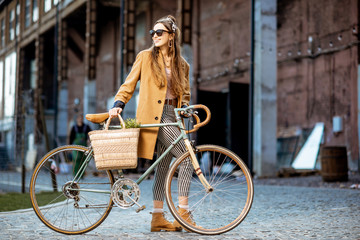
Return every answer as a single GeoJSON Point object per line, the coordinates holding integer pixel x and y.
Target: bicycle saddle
{"type": "Point", "coordinates": [97, 117]}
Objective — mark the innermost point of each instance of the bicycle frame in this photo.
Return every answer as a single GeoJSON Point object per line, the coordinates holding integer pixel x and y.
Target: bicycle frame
{"type": "Point", "coordinates": [182, 135]}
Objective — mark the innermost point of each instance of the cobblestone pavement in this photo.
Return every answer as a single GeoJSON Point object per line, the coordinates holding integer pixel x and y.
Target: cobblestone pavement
{"type": "Point", "coordinates": [278, 212]}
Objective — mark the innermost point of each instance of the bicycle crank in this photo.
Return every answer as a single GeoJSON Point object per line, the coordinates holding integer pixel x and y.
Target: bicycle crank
{"type": "Point", "coordinates": [125, 193]}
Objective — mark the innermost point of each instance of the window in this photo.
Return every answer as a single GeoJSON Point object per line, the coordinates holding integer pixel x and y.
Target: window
{"type": "Point", "coordinates": [32, 74]}
{"type": "Point", "coordinates": [11, 25]}
{"type": "Point", "coordinates": [35, 10]}
{"type": "Point", "coordinates": [17, 20]}
{"type": "Point", "coordinates": [1, 89]}
{"type": "Point", "coordinates": [10, 84]}
{"type": "Point", "coordinates": [56, 2]}
{"type": "Point", "coordinates": [27, 13]}
{"type": "Point", "coordinates": [3, 32]}
{"type": "Point", "coordinates": [47, 5]}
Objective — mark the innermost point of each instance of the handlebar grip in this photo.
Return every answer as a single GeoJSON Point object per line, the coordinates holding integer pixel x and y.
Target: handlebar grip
{"type": "Point", "coordinates": [197, 119]}
{"type": "Point", "coordinates": [206, 121]}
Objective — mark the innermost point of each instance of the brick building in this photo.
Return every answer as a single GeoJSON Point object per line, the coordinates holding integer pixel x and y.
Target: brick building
{"type": "Point", "coordinates": [63, 57]}
{"type": "Point", "coordinates": [316, 51]}
{"type": "Point", "coordinates": [60, 57]}
{"type": "Point", "coordinates": [318, 69]}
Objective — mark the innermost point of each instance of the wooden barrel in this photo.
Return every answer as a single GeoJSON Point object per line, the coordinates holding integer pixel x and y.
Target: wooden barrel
{"type": "Point", "coordinates": [334, 165]}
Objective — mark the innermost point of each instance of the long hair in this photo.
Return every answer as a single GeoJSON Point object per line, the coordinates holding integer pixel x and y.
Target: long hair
{"type": "Point", "coordinates": [177, 62]}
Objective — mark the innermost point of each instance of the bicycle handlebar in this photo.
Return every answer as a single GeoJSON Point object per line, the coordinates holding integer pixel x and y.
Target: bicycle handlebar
{"type": "Point", "coordinates": [102, 117]}
{"type": "Point", "coordinates": [199, 124]}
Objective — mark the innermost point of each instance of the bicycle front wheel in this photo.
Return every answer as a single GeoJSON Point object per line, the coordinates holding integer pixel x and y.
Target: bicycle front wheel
{"type": "Point", "coordinates": [65, 205]}
{"type": "Point", "coordinates": [210, 212]}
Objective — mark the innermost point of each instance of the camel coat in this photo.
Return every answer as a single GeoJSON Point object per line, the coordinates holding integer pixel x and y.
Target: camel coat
{"type": "Point", "coordinates": [151, 98]}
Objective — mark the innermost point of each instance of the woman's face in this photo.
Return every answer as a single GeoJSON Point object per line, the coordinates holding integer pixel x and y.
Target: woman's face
{"type": "Point", "coordinates": [163, 40]}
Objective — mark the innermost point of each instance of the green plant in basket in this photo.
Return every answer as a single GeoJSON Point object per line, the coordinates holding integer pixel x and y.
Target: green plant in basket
{"type": "Point", "coordinates": [131, 123]}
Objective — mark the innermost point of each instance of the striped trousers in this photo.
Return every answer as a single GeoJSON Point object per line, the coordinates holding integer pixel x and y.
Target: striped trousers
{"type": "Point", "coordinates": [166, 136]}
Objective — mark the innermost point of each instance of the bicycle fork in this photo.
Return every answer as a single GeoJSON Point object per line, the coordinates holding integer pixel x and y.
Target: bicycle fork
{"type": "Point", "coordinates": [197, 168]}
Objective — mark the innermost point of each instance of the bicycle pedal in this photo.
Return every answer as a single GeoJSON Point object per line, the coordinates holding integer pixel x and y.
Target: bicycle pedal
{"type": "Point", "coordinates": [140, 209]}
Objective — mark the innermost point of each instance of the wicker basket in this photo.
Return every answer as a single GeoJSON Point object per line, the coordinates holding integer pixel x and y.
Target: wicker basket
{"type": "Point", "coordinates": [115, 149]}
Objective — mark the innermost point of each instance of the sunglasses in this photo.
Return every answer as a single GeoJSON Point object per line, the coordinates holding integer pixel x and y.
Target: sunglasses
{"type": "Point", "coordinates": [158, 32]}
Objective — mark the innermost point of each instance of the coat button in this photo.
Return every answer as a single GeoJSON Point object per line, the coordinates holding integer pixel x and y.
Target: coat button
{"type": "Point", "coordinates": [156, 118]}
{"type": "Point", "coordinates": [159, 102]}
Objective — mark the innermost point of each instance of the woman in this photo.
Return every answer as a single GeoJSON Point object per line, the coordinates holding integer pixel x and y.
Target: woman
{"type": "Point", "coordinates": [164, 85]}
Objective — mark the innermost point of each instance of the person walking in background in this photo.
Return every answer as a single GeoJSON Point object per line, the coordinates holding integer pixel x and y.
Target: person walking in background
{"type": "Point", "coordinates": [164, 85]}
{"type": "Point", "coordinates": [79, 136]}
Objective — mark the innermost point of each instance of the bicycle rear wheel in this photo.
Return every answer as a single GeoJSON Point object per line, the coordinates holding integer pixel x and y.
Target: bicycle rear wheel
{"type": "Point", "coordinates": [213, 212]}
{"type": "Point", "coordinates": [65, 205]}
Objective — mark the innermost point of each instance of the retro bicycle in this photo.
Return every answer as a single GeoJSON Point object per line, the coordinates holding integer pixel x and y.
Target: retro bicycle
{"type": "Point", "coordinates": [220, 195]}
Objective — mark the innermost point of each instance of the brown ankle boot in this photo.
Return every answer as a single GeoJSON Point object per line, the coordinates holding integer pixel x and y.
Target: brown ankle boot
{"type": "Point", "coordinates": [186, 215]}
{"type": "Point", "coordinates": [159, 223]}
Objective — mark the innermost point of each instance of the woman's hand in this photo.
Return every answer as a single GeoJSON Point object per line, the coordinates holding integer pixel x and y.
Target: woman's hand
{"type": "Point", "coordinates": [114, 112]}
{"type": "Point", "coordinates": [185, 114]}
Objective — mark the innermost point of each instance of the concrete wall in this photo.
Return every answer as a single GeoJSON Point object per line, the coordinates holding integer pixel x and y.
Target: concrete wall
{"type": "Point", "coordinates": [265, 90]}
{"type": "Point", "coordinates": [108, 64]}
{"type": "Point", "coordinates": [224, 43]}
{"type": "Point", "coordinates": [76, 80]}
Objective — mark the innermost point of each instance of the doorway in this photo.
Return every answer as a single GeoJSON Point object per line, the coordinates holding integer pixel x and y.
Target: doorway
{"type": "Point", "coordinates": [229, 119]}
{"type": "Point", "coordinates": [215, 131]}
{"type": "Point", "coordinates": [239, 120]}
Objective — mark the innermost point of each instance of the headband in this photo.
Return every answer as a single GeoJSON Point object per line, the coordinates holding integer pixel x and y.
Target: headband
{"type": "Point", "coordinates": [173, 25]}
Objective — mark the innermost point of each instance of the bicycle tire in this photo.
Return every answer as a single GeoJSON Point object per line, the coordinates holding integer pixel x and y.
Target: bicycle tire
{"type": "Point", "coordinates": [227, 205]}
{"type": "Point", "coordinates": [60, 203]}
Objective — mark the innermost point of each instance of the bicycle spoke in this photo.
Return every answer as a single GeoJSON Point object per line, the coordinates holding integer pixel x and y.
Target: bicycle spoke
{"type": "Point", "coordinates": [214, 164]}
{"type": "Point", "coordinates": [231, 187]}
{"type": "Point", "coordinates": [70, 210]}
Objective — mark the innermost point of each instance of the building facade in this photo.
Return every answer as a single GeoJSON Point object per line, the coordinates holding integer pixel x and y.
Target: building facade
{"type": "Point", "coordinates": [318, 70]}
{"type": "Point", "coordinates": [59, 58]}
